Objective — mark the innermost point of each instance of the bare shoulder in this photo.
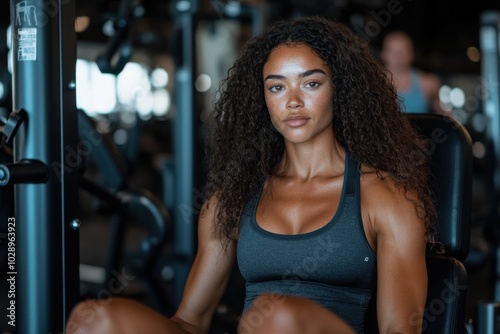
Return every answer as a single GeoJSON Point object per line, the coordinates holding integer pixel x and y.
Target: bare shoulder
{"type": "Point", "coordinates": [400, 248]}
{"type": "Point", "coordinates": [207, 222]}
{"type": "Point", "coordinates": [389, 208]}
{"type": "Point", "coordinates": [207, 215]}
{"type": "Point", "coordinates": [209, 208]}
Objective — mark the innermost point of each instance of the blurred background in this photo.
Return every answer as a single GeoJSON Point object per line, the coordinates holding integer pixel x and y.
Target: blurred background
{"type": "Point", "coordinates": [130, 114]}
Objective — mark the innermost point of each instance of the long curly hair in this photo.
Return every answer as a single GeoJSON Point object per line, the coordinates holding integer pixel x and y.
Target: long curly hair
{"type": "Point", "coordinates": [243, 147]}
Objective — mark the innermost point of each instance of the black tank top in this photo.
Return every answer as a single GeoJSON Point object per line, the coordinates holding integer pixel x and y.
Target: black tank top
{"type": "Point", "coordinates": [333, 265]}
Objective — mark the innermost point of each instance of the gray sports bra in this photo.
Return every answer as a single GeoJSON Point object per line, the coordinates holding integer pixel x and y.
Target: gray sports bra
{"type": "Point", "coordinates": [333, 265]}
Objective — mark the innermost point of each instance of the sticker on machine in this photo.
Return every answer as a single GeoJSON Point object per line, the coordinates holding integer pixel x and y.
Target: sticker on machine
{"type": "Point", "coordinates": [27, 44]}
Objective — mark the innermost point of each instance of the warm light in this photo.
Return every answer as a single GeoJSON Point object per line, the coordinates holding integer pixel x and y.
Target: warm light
{"type": "Point", "coordinates": [473, 54]}
{"type": "Point", "coordinates": [82, 23]}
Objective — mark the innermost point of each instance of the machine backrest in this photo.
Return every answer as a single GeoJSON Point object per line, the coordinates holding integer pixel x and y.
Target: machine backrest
{"type": "Point", "coordinates": [450, 149]}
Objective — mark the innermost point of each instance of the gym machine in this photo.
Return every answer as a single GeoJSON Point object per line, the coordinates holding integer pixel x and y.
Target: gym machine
{"type": "Point", "coordinates": [179, 198]}
{"type": "Point", "coordinates": [43, 128]}
{"type": "Point", "coordinates": [488, 313]}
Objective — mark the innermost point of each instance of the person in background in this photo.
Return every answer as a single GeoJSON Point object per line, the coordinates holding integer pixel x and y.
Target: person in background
{"type": "Point", "coordinates": [417, 89]}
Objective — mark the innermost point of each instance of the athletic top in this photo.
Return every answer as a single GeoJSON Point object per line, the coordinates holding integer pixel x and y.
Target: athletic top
{"type": "Point", "coordinates": [414, 100]}
{"type": "Point", "coordinates": [333, 265]}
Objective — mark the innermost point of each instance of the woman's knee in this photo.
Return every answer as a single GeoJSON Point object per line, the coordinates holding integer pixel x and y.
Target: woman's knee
{"type": "Point", "coordinates": [277, 314]}
{"type": "Point", "coordinates": [92, 316]}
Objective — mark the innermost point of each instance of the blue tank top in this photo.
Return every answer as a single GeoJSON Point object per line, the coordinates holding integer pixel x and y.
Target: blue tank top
{"type": "Point", "coordinates": [333, 265]}
{"type": "Point", "coordinates": [414, 100]}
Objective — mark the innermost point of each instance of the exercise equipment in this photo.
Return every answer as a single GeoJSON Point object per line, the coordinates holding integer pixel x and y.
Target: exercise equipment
{"type": "Point", "coordinates": [43, 81]}
{"type": "Point", "coordinates": [183, 206]}
{"type": "Point", "coordinates": [123, 206]}
{"type": "Point", "coordinates": [152, 215]}
{"type": "Point", "coordinates": [490, 76]}
{"type": "Point", "coordinates": [182, 196]}
{"type": "Point", "coordinates": [119, 50]}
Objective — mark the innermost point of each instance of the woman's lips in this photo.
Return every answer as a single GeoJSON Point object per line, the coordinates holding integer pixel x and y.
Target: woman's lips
{"type": "Point", "coordinates": [296, 121]}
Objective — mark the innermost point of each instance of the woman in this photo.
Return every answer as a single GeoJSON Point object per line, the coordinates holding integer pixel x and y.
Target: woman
{"type": "Point", "coordinates": [307, 127]}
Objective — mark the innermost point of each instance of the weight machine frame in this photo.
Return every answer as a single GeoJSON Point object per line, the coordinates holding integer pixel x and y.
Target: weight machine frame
{"type": "Point", "coordinates": [46, 203]}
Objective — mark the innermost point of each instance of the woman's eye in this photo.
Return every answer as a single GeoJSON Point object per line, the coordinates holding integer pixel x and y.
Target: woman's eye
{"type": "Point", "coordinates": [276, 88]}
{"type": "Point", "coordinates": [312, 84]}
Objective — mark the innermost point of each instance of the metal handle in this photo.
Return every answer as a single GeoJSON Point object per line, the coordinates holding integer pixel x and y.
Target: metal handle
{"type": "Point", "coordinates": [24, 171]}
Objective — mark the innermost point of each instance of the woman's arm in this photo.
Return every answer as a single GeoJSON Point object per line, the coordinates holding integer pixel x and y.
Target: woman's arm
{"type": "Point", "coordinates": [401, 267]}
{"type": "Point", "coordinates": [208, 277]}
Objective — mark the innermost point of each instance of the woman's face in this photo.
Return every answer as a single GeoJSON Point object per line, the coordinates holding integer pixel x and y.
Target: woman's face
{"type": "Point", "coordinates": [299, 93]}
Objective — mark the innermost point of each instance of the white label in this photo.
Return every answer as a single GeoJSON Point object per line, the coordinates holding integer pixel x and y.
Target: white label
{"type": "Point", "coordinates": [26, 15]}
{"type": "Point", "coordinates": [27, 44]}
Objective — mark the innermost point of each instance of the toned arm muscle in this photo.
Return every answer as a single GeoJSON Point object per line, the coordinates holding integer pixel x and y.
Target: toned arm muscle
{"type": "Point", "coordinates": [208, 277]}
{"type": "Point", "coordinates": [401, 267]}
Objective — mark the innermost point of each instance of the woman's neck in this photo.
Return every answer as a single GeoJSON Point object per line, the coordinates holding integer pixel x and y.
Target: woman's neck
{"type": "Point", "coordinates": [315, 158]}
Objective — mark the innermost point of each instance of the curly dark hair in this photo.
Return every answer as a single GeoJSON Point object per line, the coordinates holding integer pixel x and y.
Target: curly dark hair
{"type": "Point", "coordinates": [243, 148]}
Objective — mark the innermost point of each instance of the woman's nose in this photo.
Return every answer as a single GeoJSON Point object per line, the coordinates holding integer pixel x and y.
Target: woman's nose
{"type": "Point", "coordinates": [294, 100]}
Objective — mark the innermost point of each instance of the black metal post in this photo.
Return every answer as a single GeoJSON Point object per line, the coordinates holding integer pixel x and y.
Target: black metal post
{"type": "Point", "coordinates": [490, 80]}
{"type": "Point", "coordinates": [490, 86]}
{"type": "Point", "coordinates": [47, 259]}
{"type": "Point", "coordinates": [183, 12]}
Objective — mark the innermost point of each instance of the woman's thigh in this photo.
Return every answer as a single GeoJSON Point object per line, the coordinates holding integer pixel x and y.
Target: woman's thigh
{"type": "Point", "coordinates": [278, 314]}
{"type": "Point", "coordinates": [118, 315]}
